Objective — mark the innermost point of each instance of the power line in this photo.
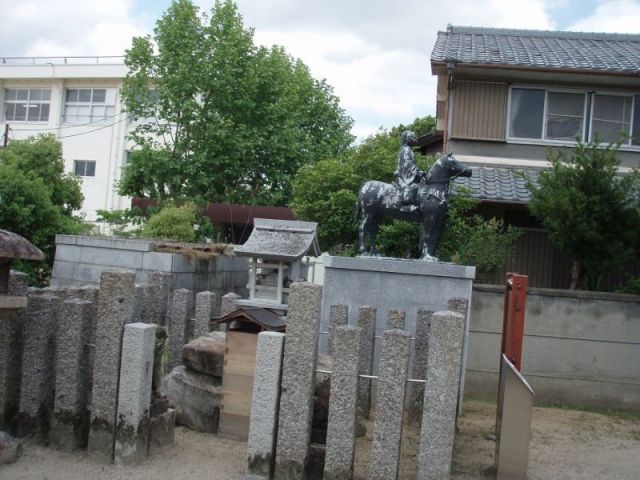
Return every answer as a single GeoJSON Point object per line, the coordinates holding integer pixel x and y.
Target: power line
{"type": "Point", "coordinates": [94, 130]}
{"type": "Point", "coordinates": [92, 122]}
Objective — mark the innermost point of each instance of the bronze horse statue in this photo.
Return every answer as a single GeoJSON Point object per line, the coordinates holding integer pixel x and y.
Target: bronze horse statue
{"type": "Point", "coordinates": [377, 200]}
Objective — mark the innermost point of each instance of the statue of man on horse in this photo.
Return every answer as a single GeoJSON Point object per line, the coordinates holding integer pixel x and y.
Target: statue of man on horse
{"type": "Point", "coordinates": [415, 196]}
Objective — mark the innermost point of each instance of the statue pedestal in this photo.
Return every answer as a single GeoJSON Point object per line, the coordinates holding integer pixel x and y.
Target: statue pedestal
{"type": "Point", "coordinates": [387, 283]}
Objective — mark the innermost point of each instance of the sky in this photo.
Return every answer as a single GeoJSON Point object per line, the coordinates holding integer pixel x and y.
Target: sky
{"type": "Point", "coordinates": [375, 53]}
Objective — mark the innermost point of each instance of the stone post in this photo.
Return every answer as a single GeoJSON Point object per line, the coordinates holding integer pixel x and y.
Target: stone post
{"type": "Point", "coordinates": [392, 382]}
{"type": "Point", "coordinates": [264, 406]}
{"type": "Point", "coordinates": [296, 401]}
{"type": "Point", "coordinates": [37, 386]}
{"type": "Point", "coordinates": [159, 297]}
{"type": "Point", "coordinates": [343, 401]}
{"type": "Point", "coordinates": [367, 322]}
{"type": "Point", "coordinates": [229, 303]}
{"type": "Point", "coordinates": [11, 330]}
{"type": "Point", "coordinates": [180, 308]}
{"type": "Point", "coordinates": [134, 393]}
{"type": "Point", "coordinates": [205, 305]}
{"type": "Point", "coordinates": [338, 317]}
{"type": "Point", "coordinates": [115, 309]}
{"type": "Point", "coordinates": [396, 319]}
{"type": "Point", "coordinates": [441, 396]}
{"type": "Point", "coordinates": [70, 422]}
{"type": "Point", "coordinates": [420, 350]}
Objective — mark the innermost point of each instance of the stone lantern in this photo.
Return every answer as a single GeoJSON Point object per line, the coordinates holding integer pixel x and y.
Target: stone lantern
{"type": "Point", "coordinates": [14, 246]}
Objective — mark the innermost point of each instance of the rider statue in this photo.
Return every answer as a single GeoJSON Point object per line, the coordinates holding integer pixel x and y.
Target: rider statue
{"type": "Point", "coordinates": [408, 175]}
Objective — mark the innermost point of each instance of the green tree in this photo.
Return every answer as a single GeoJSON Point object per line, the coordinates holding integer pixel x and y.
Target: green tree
{"type": "Point", "coordinates": [326, 192]}
{"type": "Point", "coordinates": [220, 118]}
{"type": "Point", "coordinates": [37, 199]}
{"type": "Point", "coordinates": [588, 210]}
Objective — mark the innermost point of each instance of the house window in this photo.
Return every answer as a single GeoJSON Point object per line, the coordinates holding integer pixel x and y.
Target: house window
{"type": "Point", "coordinates": [89, 105]}
{"type": "Point", "coordinates": [539, 114]}
{"type": "Point", "coordinates": [27, 104]}
{"type": "Point", "coordinates": [611, 118]}
{"type": "Point", "coordinates": [84, 168]}
{"type": "Point", "coordinates": [565, 116]}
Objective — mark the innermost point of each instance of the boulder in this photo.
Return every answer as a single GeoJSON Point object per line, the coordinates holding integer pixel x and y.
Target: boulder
{"type": "Point", "coordinates": [196, 398]}
{"type": "Point", "coordinates": [205, 354]}
{"type": "Point", "coordinates": [10, 448]}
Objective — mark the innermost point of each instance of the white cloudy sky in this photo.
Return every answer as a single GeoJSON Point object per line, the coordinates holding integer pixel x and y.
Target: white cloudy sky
{"type": "Point", "coordinates": [375, 53]}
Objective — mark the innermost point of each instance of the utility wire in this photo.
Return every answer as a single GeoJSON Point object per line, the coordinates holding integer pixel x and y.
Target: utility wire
{"type": "Point", "coordinates": [94, 130]}
{"type": "Point", "coordinates": [92, 122]}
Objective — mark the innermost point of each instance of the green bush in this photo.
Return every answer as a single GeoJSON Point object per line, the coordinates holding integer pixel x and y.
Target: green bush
{"type": "Point", "coordinates": [173, 223]}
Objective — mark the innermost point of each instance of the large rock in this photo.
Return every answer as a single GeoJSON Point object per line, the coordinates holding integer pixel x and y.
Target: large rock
{"type": "Point", "coordinates": [205, 354]}
{"type": "Point", "coordinates": [196, 398]}
{"type": "Point", "coordinates": [10, 448]}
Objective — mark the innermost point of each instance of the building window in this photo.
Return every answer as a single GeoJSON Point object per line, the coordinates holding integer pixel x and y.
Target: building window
{"type": "Point", "coordinates": [539, 114]}
{"type": "Point", "coordinates": [89, 105]}
{"type": "Point", "coordinates": [27, 104]}
{"type": "Point", "coordinates": [84, 168]}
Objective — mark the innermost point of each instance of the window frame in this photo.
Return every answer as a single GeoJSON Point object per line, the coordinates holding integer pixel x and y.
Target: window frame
{"type": "Point", "coordinates": [91, 104]}
{"type": "Point", "coordinates": [28, 102]}
{"type": "Point", "coordinates": [589, 96]}
{"type": "Point", "coordinates": [86, 163]}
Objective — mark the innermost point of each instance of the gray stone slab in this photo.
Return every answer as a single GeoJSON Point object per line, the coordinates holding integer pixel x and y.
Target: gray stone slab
{"type": "Point", "coordinates": [11, 338]}
{"type": "Point", "coordinates": [157, 261]}
{"type": "Point", "coordinates": [396, 319]}
{"type": "Point", "coordinates": [338, 317]}
{"type": "Point", "coordinates": [441, 396]}
{"type": "Point", "coordinates": [134, 393]}
{"type": "Point", "coordinates": [18, 283]}
{"type": "Point", "coordinates": [387, 433]}
{"type": "Point", "coordinates": [70, 420]}
{"type": "Point", "coordinates": [196, 398]}
{"type": "Point", "coordinates": [205, 305]}
{"type": "Point", "coordinates": [296, 401]}
{"type": "Point", "coordinates": [37, 383]}
{"type": "Point", "coordinates": [264, 406]}
{"type": "Point", "coordinates": [181, 306]}
{"type": "Point", "coordinates": [341, 428]}
{"type": "Point", "coordinates": [394, 265]}
{"type": "Point", "coordinates": [419, 370]}
{"type": "Point", "coordinates": [367, 322]}
{"type": "Point", "coordinates": [108, 242]}
{"type": "Point", "coordinates": [115, 309]}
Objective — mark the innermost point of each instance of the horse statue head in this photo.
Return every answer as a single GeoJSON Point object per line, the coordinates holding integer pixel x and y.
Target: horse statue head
{"type": "Point", "coordinates": [446, 168]}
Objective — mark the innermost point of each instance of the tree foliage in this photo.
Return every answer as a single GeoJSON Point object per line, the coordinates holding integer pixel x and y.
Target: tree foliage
{"type": "Point", "coordinates": [37, 199]}
{"type": "Point", "coordinates": [220, 118]}
{"type": "Point", "coordinates": [589, 210]}
{"type": "Point", "coordinates": [326, 192]}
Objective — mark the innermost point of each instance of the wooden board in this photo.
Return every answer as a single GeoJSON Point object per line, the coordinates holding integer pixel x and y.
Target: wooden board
{"type": "Point", "coordinates": [237, 384]}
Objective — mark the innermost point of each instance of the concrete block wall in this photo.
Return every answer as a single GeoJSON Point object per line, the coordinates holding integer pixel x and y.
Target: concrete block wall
{"type": "Point", "coordinates": [80, 260]}
{"type": "Point", "coordinates": [580, 348]}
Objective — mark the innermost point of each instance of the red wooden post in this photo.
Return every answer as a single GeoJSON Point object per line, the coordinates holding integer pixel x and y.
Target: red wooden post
{"type": "Point", "coordinates": [515, 299]}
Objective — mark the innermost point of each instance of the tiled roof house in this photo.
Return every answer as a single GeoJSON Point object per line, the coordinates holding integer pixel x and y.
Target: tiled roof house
{"type": "Point", "coordinates": [504, 97]}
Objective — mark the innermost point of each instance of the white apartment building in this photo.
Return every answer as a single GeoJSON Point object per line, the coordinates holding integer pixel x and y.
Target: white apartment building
{"type": "Point", "coordinates": [78, 100]}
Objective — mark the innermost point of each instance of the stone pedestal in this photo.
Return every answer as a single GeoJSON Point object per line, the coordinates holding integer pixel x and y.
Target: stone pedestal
{"type": "Point", "coordinates": [388, 283]}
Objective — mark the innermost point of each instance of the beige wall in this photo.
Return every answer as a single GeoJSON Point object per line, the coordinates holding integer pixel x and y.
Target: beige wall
{"type": "Point", "coordinates": [479, 110]}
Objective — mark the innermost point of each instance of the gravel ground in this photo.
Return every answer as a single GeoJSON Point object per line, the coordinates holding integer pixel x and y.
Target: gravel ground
{"type": "Point", "coordinates": [565, 445]}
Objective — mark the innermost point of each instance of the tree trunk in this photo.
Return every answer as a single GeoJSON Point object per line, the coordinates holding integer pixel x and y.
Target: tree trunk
{"type": "Point", "coordinates": [576, 273]}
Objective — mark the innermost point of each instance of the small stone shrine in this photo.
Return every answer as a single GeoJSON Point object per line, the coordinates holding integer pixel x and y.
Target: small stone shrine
{"type": "Point", "coordinates": [13, 246]}
{"type": "Point", "coordinates": [276, 249]}
{"type": "Point", "coordinates": [243, 326]}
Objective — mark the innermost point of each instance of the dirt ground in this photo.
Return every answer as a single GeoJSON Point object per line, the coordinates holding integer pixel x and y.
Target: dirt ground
{"type": "Point", "coordinates": [565, 445]}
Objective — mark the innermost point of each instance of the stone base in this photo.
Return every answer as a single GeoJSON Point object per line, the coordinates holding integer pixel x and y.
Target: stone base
{"type": "Point", "coordinates": [10, 448]}
{"type": "Point", "coordinates": [162, 430]}
{"type": "Point", "coordinates": [386, 284]}
{"type": "Point", "coordinates": [101, 437]}
{"type": "Point", "coordinates": [132, 443]}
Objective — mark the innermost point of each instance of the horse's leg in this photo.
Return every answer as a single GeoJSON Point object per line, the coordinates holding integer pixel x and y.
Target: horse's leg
{"type": "Point", "coordinates": [373, 233]}
{"type": "Point", "coordinates": [432, 226]}
{"type": "Point", "coordinates": [362, 234]}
